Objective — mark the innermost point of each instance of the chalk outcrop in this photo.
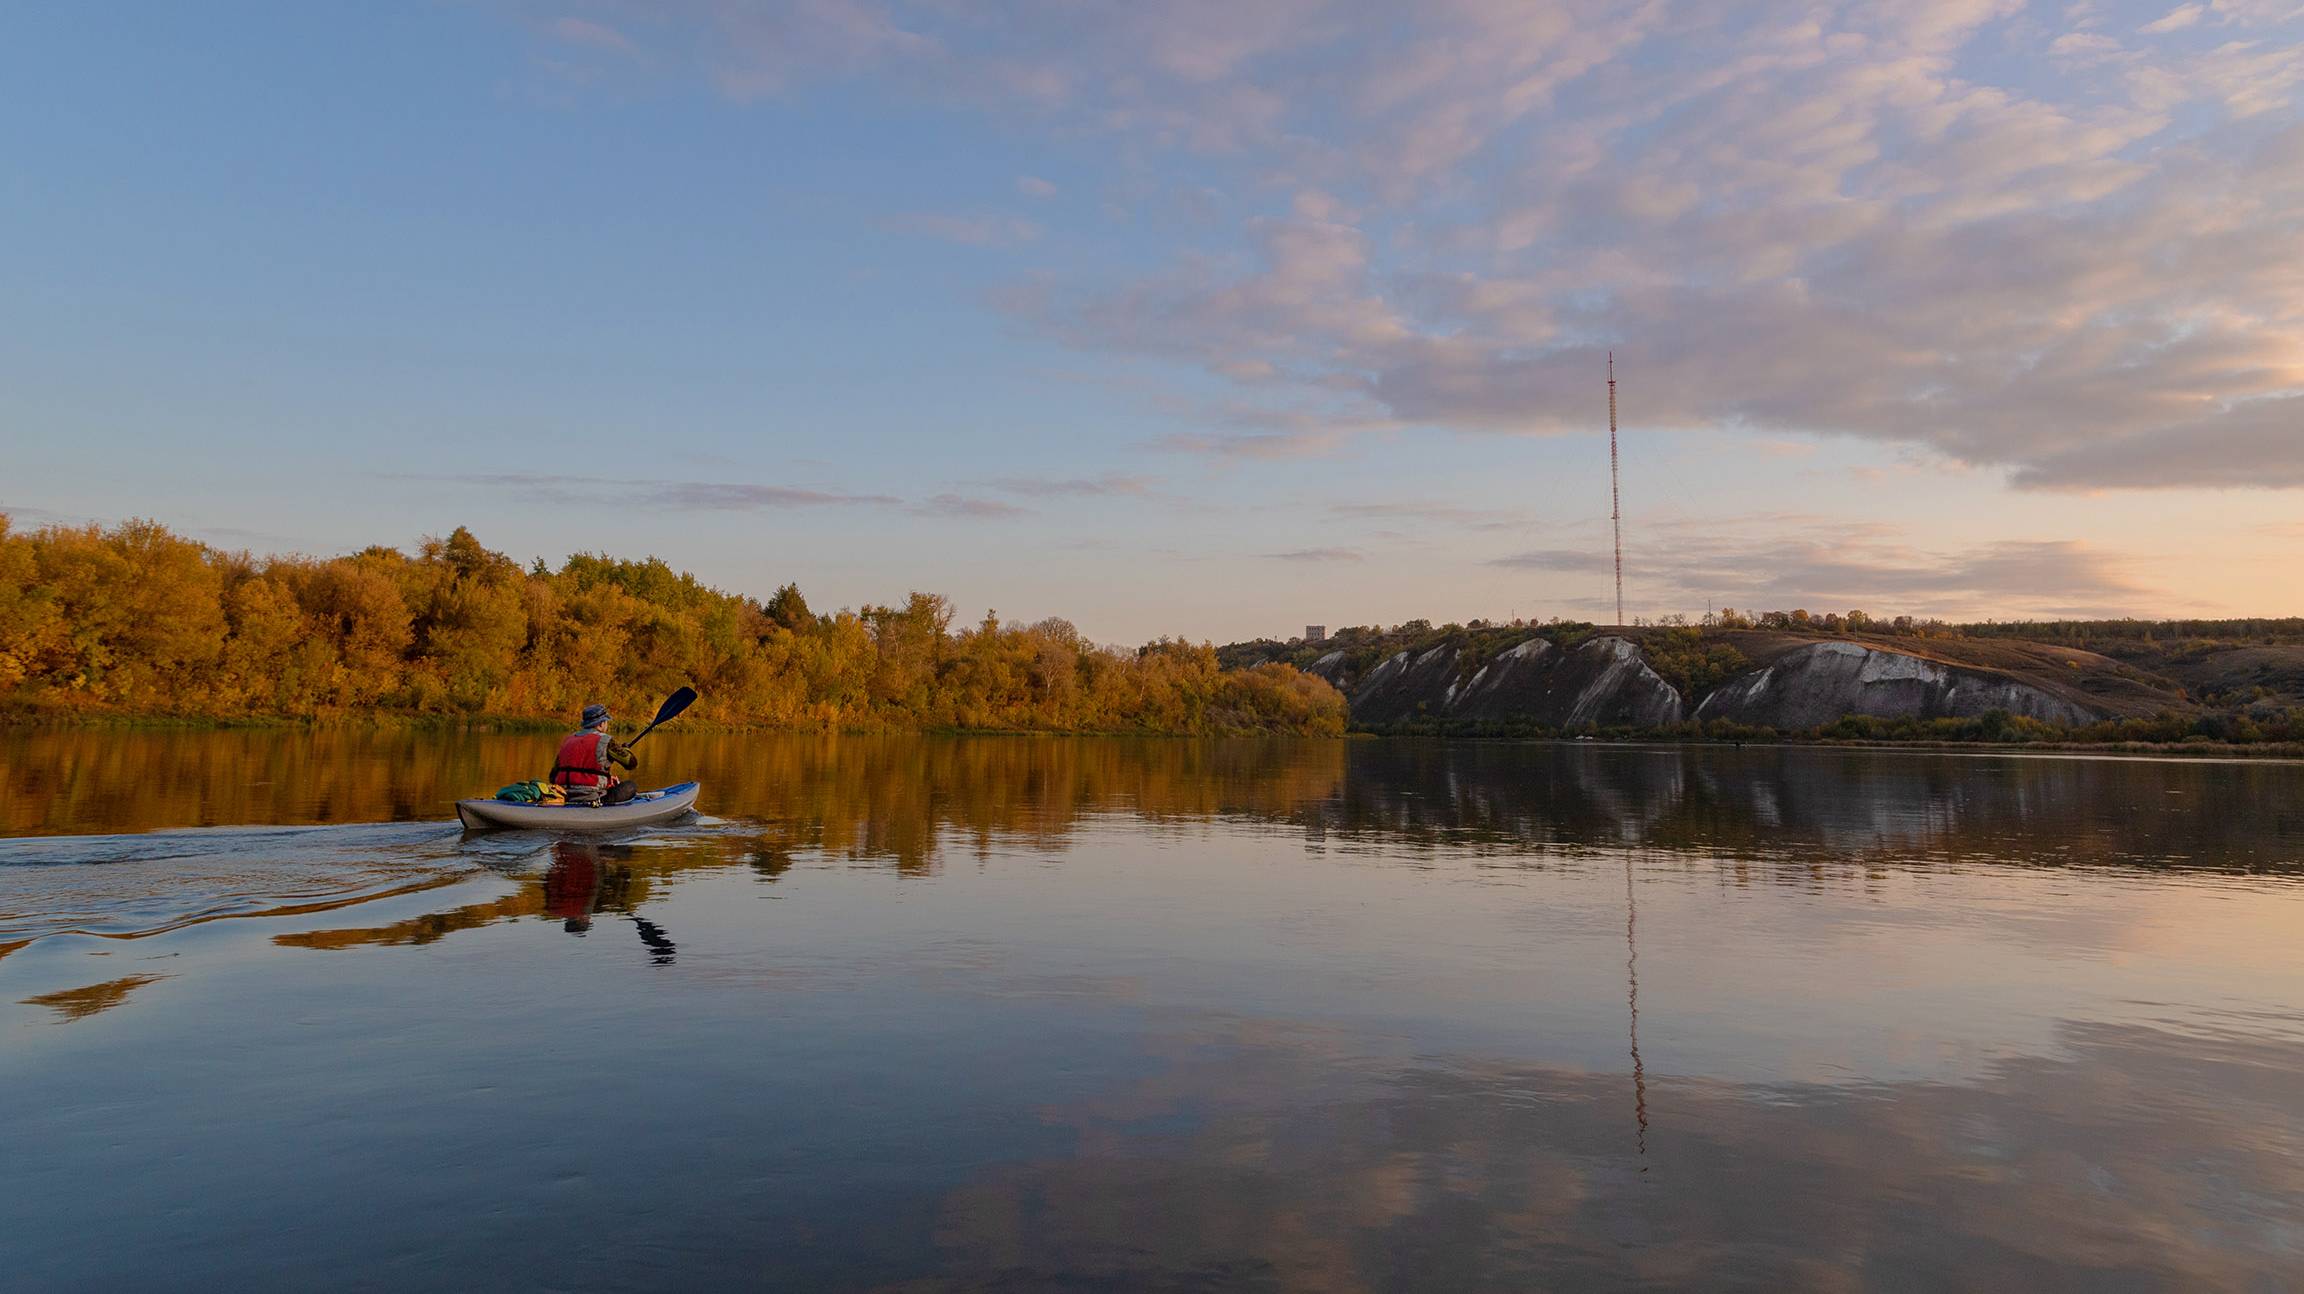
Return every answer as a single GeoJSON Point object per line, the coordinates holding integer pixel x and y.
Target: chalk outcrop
{"type": "Point", "coordinates": [1606, 682]}
{"type": "Point", "coordinates": [1600, 683]}
{"type": "Point", "coordinates": [1816, 685]}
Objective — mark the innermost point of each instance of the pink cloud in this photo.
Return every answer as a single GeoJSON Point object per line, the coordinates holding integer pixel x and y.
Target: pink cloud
{"type": "Point", "coordinates": [967, 230]}
{"type": "Point", "coordinates": [595, 35]}
{"type": "Point", "coordinates": [2061, 250]}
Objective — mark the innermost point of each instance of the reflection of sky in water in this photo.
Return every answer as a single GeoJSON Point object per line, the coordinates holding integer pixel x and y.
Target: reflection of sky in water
{"type": "Point", "coordinates": [1034, 1012]}
{"type": "Point", "coordinates": [1270, 1151]}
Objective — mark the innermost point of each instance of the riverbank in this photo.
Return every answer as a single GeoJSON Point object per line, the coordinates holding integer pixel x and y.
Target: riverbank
{"type": "Point", "coordinates": [2187, 749]}
{"type": "Point", "coordinates": [393, 723]}
{"type": "Point", "coordinates": [2276, 751]}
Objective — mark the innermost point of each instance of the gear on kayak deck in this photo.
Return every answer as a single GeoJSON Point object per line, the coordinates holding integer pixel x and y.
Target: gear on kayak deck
{"type": "Point", "coordinates": [644, 808]}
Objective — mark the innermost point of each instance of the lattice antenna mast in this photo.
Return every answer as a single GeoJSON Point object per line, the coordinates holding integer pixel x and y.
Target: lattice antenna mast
{"type": "Point", "coordinates": [1615, 496]}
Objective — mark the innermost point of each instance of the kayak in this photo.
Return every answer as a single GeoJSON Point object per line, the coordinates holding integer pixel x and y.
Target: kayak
{"type": "Point", "coordinates": [642, 810]}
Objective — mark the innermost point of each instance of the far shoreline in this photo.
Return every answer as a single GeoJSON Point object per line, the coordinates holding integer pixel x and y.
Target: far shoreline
{"type": "Point", "coordinates": [514, 726]}
{"type": "Point", "coordinates": [2273, 751]}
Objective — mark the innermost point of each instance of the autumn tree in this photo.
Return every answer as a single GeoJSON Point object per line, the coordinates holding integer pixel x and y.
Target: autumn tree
{"type": "Point", "coordinates": [790, 610]}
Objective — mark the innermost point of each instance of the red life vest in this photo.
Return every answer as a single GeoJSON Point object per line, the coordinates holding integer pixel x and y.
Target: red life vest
{"type": "Point", "coordinates": [582, 760]}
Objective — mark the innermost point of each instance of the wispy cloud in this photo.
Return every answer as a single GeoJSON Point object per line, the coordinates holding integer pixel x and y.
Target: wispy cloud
{"type": "Point", "coordinates": [1108, 485]}
{"type": "Point", "coordinates": [1556, 559]}
{"type": "Point", "coordinates": [1032, 186]}
{"type": "Point", "coordinates": [1317, 555]}
{"type": "Point", "coordinates": [2247, 445]}
{"type": "Point", "coordinates": [967, 230]}
{"type": "Point", "coordinates": [1248, 445]}
{"type": "Point", "coordinates": [20, 513]}
{"type": "Point", "coordinates": [590, 34]}
{"type": "Point", "coordinates": [698, 496]}
{"type": "Point", "coordinates": [22, 518]}
{"type": "Point", "coordinates": [2176, 19]}
{"type": "Point", "coordinates": [1436, 513]}
{"type": "Point", "coordinates": [727, 497]}
{"type": "Point", "coordinates": [967, 508]}
{"type": "Point", "coordinates": [2061, 248]}
{"type": "Point", "coordinates": [1768, 447]}
{"type": "Point", "coordinates": [733, 496]}
{"type": "Point", "coordinates": [1824, 568]}
{"type": "Point", "coordinates": [758, 50]}
{"type": "Point", "coordinates": [1244, 430]}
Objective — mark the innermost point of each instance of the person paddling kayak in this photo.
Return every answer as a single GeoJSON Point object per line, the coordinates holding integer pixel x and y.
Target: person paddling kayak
{"type": "Point", "coordinates": [587, 757]}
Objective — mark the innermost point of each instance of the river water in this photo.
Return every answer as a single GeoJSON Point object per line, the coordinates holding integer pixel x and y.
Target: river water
{"type": "Point", "coordinates": [1006, 1013]}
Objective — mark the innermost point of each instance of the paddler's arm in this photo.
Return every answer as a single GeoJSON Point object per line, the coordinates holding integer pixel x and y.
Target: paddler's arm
{"type": "Point", "coordinates": [622, 755]}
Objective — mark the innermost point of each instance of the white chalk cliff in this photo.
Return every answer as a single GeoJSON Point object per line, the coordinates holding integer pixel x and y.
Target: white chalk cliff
{"type": "Point", "coordinates": [1815, 685]}
{"type": "Point", "coordinates": [1605, 682]}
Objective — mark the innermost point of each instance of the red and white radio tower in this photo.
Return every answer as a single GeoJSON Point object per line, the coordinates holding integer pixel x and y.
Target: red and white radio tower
{"type": "Point", "coordinates": [1615, 499]}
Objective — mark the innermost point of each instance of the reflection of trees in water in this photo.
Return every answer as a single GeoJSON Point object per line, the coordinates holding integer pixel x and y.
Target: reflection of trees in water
{"type": "Point", "coordinates": [1276, 1158]}
{"type": "Point", "coordinates": [107, 780]}
{"type": "Point", "coordinates": [912, 801]}
{"type": "Point", "coordinates": [903, 800]}
{"type": "Point", "coordinates": [894, 797]}
{"type": "Point", "coordinates": [91, 999]}
{"type": "Point", "coordinates": [907, 799]}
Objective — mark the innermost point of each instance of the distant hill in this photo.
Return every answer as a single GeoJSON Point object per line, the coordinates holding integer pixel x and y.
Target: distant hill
{"type": "Point", "coordinates": [2221, 662]}
{"type": "Point", "coordinates": [1788, 674]}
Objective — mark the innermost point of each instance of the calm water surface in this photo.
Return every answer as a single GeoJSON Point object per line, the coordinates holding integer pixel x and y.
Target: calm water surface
{"type": "Point", "coordinates": [968, 1014]}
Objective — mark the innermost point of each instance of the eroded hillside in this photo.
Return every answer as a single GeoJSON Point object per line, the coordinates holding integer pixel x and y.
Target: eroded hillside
{"type": "Point", "coordinates": [1572, 678]}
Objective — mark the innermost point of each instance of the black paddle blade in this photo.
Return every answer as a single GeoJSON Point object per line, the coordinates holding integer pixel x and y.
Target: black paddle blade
{"type": "Point", "coordinates": [671, 708]}
{"type": "Point", "coordinates": [674, 704]}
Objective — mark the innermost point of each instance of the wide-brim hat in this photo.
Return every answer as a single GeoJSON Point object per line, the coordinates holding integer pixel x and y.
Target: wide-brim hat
{"type": "Point", "coordinates": [595, 714]}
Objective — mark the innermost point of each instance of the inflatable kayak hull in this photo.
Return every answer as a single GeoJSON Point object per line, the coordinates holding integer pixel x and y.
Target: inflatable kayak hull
{"type": "Point", "coordinates": [643, 810]}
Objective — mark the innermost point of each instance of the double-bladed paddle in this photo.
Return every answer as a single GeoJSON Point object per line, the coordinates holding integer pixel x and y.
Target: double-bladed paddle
{"type": "Point", "coordinates": [667, 712]}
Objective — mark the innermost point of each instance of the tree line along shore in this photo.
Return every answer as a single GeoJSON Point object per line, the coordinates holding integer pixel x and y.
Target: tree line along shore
{"type": "Point", "coordinates": [135, 621]}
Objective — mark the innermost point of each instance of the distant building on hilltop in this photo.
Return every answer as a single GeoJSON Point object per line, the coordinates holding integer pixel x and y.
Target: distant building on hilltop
{"type": "Point", "coordinates": [1315, 633]}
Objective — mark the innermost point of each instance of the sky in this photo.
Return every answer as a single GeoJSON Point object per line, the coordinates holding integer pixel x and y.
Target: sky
{"type": "Point", "coordinates": [1191, 317]}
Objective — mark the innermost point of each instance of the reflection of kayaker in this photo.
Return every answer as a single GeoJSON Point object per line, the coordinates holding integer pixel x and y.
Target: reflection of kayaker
{"type": "Point", "coordinates": [572, 885]}
{"type": "Point", "coordinates": [582, 880]}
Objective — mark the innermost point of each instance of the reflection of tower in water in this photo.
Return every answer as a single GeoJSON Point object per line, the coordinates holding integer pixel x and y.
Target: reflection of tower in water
{"type": "Point", "coordinates": [1632, 1007]}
